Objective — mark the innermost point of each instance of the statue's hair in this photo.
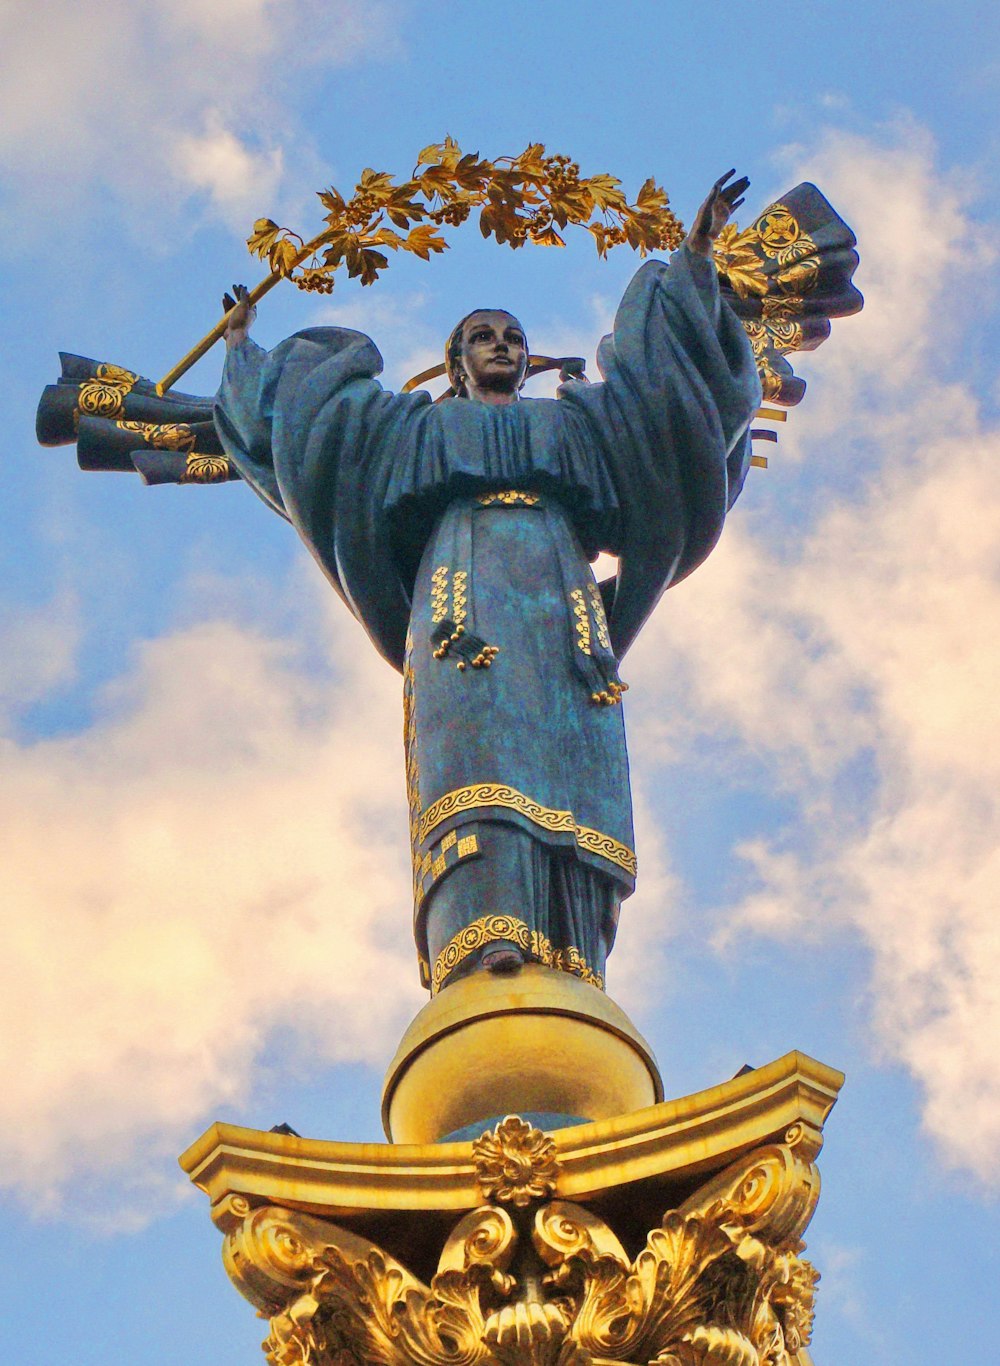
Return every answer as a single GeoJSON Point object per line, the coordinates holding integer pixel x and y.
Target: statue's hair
{"type": "Point", "coordinates": [453, 349]}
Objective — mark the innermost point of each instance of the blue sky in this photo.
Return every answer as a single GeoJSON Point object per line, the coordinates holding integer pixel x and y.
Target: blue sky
{"type": "Point", "coordinates": [205, 908]}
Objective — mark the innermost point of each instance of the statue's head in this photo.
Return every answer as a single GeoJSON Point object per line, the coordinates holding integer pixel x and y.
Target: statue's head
{"type": "Point", "coordinates": [487, 356]}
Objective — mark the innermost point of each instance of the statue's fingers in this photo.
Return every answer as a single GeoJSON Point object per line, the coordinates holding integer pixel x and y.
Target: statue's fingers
{"type": "Point", "coordinates": [228, 303]}
{"type": "Point", "coordinates": [723, 178]}
{"type": "Point", "coordinates": [737, 202]}
{"type": "Point", "coordinates": [733, 192]}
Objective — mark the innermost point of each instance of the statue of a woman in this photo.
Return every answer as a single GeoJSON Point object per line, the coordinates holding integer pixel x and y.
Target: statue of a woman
{"type": "Point", "coordinates": [461, 535]}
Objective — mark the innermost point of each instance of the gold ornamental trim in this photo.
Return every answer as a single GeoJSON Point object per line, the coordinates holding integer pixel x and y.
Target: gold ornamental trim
{"type": "Point", "coordinates": [680, 1141]}
{"type": "Point", "coordinates": [503, 795]}
{"type": "Point", "coordinates": [488, 929]}
{"type": "Point", "coordinates": [508, 498]}
{"type": "Point", "coordinates": [595, 842]}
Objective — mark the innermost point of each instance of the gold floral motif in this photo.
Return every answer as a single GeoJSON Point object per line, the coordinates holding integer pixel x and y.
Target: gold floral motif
{"type": "Point", "coordinates": [712, 1286]}
{"type": "Point", "coordinates": [205, 469]}
{"type": "Point", "coordinates": [509, 498]}
{"type": "Point", "coordinates": [439, 594]}
{"type": "Point", "coordinates": [459, 600]}
{"type": "Point", "coordinates": [104, 395]}
{"type": "Point", "coordinates": [600, 620]}
{"type": "Point", "coordinates": [503, 795]}
{"type": "Point", "coordinates": [515, 1163]}
{"type": "Point", "coordinates": [101, 400]}
{"type": "Point", "coordinates": [164, 436]}
{"type": "Point", "coordinates": [488, 929]}
{"type": "Point", "coordinates": [778, 229]}
{"type": "Point", "coordinates": [582, 620]}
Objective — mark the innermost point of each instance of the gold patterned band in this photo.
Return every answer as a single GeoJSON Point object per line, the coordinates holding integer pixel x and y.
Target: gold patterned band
{"type": "Point", "coordinates": [490, 928]}
{"type": "Point", "coordinates": [508, 498]}
{"type": "Point", "coordinates": [501, 794]}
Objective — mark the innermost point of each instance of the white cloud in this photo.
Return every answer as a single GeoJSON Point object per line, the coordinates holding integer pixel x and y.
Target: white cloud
{"type": "Point", "coordinates": [221, 855]}
{"type": "Point", "coordinates": [236, 178]}
{"type": "Point", "coordinates": [219, 858]}
{"type": "Point", "coordinates": [156, 102]}
{"type": "Point", "coordinates": [871, 644]}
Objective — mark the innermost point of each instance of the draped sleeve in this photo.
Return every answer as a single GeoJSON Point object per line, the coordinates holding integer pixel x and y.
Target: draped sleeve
{"type": "Point", "coordinates": [315, 435]}
{"type": "Point", "coordinates": [680, 387]}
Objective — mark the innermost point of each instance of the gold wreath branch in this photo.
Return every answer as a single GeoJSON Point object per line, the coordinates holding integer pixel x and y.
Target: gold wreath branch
{"type": "Point", "coordinates": [532, 197]}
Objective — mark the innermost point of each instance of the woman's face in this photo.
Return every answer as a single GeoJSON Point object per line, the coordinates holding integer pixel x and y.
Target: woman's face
{"type": "Point", "coordinates": [494, 354]}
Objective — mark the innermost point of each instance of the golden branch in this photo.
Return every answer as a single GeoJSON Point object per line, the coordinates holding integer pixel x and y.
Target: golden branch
{"type": "Point", "coordinates": [532, 197]}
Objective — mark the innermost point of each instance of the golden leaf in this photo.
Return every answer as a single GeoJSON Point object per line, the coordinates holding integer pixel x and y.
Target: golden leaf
{"type": "Point", "coordinates": [368, 265]}
{"type": "Point", "coordinates": [284, 255]}
{"type": "Point", "coordinates": [424, 239]}
{"type": "Point", "coordinates": [471, 172]}
{"type": "Point", "coordinates": [600, 235]}
{"type": "Point", "coordinates": [434, 151]}
{"type": "Point", "coordinates": [331, 199]}
{"type": "Point", "coordinates": [650, 196]}
{"type": "Point", "coordinates": [387, 238]}
{"type": "Point", "coordinates": [375, 183]}
{"type": "Point", "coordinates": [546, 237]}
{"type": "Point", "coordinates": [737, 257]}
{"type": "Point", "coordinates": [531, 162]}
{"type": "Point", "coordinates": [263, 237]}
{"type": "Point", "coordinates": [606, 192]}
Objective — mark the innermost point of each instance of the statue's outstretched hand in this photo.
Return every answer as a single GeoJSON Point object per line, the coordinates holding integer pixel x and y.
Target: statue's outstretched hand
{"type": "Point", "coordinates": [714, 214]}
{"type": "Point", "coordinates": [241, 314]}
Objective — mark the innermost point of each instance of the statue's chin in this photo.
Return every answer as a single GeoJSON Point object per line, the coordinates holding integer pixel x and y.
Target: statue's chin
{"type": "Point", "coordinates": [507, 384]}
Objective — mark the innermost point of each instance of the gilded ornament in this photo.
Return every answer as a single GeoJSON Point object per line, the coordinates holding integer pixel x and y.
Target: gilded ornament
{"type": "Point", "coordinates": [439, 594]}
{"type": "Point", "coordinates": [478, 795]}
{"type": "Point", "coordinates": [710, 1287]}
{"type": "Point", "coordinates": [508, 498]}
{"type": "Point", "coordinates": [165, 436]}
{"type": "Point", "coordinates": [205, 469]}
{"type": "Point", "coordinates": [777, 229]}
{"type": "Point", "coordinates": [582, 620]}
{"type": "Point", "coordinates": [489, 929]}
{"type": "Point", "coordinates": [515, 1162]}
{"type": "Point", "coordinates": [532, 197]}
{"type": "Point", "coordinates": [737, 257]}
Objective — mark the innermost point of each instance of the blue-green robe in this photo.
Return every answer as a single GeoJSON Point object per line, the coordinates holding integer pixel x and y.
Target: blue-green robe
{"type": "Point", "coordinates": [448, 528]}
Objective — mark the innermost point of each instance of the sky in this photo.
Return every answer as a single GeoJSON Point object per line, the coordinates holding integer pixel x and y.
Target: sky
{"type": "Point", "coordinates": [204, 910]}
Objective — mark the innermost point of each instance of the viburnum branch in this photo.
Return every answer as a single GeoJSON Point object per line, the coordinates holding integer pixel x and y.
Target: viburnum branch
{"type": "Point", "coordinates": [532, 197]}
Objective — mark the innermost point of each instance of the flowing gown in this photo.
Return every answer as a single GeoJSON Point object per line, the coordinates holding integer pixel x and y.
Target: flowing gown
{"type": "Point", "coordinates": [461, 535]}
